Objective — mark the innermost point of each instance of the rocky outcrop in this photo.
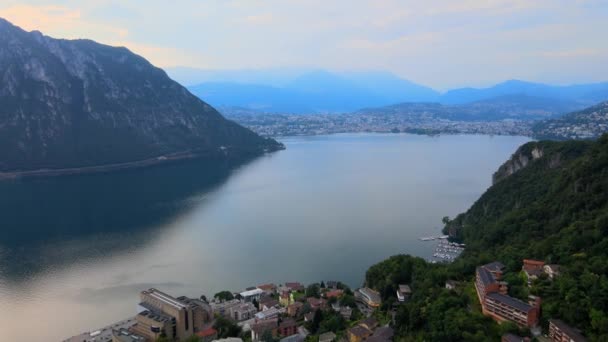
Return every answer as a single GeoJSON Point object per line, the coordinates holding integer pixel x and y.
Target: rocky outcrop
{"type": "Point", "coordinates": [518, 161]}
{"type": "Point", "coordinates": [77, 103]}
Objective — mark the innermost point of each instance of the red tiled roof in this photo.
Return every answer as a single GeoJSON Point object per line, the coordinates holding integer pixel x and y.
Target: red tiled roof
{"type": "Point", "coordinates": [206, 332]}
{"type": "Point", "coordinates": [333, 293]}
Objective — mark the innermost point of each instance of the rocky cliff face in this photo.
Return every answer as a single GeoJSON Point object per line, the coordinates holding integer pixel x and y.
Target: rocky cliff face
{"type": "Point", "coordinates": [77, 103]}
{"type": "Point", "coordinates": [519, 160]}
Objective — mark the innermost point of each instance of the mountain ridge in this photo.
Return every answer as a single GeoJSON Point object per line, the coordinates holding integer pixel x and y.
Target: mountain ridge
{"type": "Point", "coordinates": [78, 103]}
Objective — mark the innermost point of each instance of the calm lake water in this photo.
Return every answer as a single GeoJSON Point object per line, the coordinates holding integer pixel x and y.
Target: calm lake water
{"type": "Point", "coordinates": [75, 252]}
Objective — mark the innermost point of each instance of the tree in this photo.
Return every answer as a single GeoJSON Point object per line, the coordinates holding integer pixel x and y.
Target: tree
{"type": "Point", "coordinates": [313, 290]}
{"type": "Point", "coordinates": [226, 328]}
{"type": "Point", "coordinates": [224, 295]}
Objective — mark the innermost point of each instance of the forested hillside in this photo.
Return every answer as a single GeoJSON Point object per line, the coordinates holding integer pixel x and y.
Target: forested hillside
{"type": "Point", "coordinates": [549, 202]}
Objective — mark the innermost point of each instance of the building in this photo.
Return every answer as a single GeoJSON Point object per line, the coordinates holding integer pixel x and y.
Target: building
{"type": "Point", "coordinates": [251, 295]}
{"type": "Point", "coordinates": [346, 312]}
{"type": "Point", "coordinates": [496, 268]}
{"type": "Point", "coordinates": [267, 303]}
{"type": "Point", "coordinates": [485, 283]}
{"type": "Point", "coordinates": [268, 314]}
{"type": "Point", "coordinates": [178, 318]}
{"type": "Point", "coordinates": [295, 287]}
{"type": "Point", "coordinates": [207, 335]}
{"type": "Point", "coordinates": [288, 327]}
{"type": "Point", "coordinates": [316, 303]}
{"type": "Point", "coordinates": [294, 309]}
{"type": "Point", "coordinates": [224, 308]}
{"type": "Point", "coordinates": [383, 334]}
{"type": "Point", "coordinates": [327, 337]}
{"type": "Point", "coordinates": [332, 284]}
{"type": "Point", "coordinates": [562, 332]}
{"type": "Point", "coordinates": [264, 327]}
{"type": "Point", "coordinates": [286, 299]}
{"type": "Point", "coordinates": [403, 293]}
{"type": "Point", "coordinates": [370, 323]}
{"type": "Point", "coordinates": [532, 269]}
{"type": "Point", "coordinates": [269, 289]}
{"type": "Point", "coordinates": [358, 333]}
{"type": "Point", "coordinates": [505, 308]}
{"type": "Point", "coordinates": [451, 284]}
{"type": "Point", "coordinates": [333, 293]}
{"type": "Point", "coordinates": [243, 311]}
{"type": "Point", "coordinates": [513, 338]}
{"type": "Point", "coordinates": [124, 335]}
{"type": "Point", "coordinates": [368, 297]}
{"type": "Point", "coordinates": [551, 270]}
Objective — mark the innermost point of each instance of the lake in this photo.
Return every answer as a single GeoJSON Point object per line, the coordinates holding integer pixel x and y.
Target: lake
{"type": "Point", "coordinates": [76, 251]}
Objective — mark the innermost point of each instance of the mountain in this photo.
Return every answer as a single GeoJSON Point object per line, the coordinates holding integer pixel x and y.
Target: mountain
{"type": "Point", "coordinates": [77, 103]}
{"type": "Point", "coordinates": [506, 107]}
{"type": "Point", "coordinates": [548, 202]}
{"type": "Point", "coordinates": [316, 91]}
{"type": "Point", "coordinates": [588, 123]}
{"type": "Point", "coordinates": [584, 94]}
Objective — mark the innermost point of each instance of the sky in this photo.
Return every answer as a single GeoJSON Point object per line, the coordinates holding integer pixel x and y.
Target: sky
{"type": "Point", "coordinates": [442, 44]}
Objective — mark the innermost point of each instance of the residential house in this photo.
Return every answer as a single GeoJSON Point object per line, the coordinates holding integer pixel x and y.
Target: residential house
{"type": "Point", "coordinates": [267, 303]}
{"type": "Point", "coordinates": [316, 303]}
{"type": "Point", "coordinates": [368, 297]}
{"type": "Point", "coordinates": [288, 327]}
{"type": "Point", "coordinates": [223, 308]}
{"type": "Point", "coordinates": [532, 269]}
{"type": "Point", "coordinates": [382, 334]}
{"type": "Point", "coordinates": [269, 289]}
{"type": "Point", "coordinates": [294, 309]}
{"type": "Point", "coordinates": [451, 284]}
{"type": "Point", "coordinates": [403, 293]}
{"type": "Point", "coordinates": [346, 312]}
{"type": "Point", "coordinates": [243, 311]}
{"type": "Point", "coordinates": [295, 287]}
{"type": "Point", "coordinates": [207, 335]}
{"type": "Point", "coordinates": [333, 293]}
{"type": "Point", "coordinates": [327, 337]}
{"type": "Point", "coordinates": [562, 332]}
{"type": "Point", "coordinates": [358, 333]}
{"type": "Point", "coordinates": [370, 323]}
{"type": "Point", "coordinates": [551, 270]}
{"type": "Point", "coordinates": [286, 299]}
{"type": "Point", "coordinates": [332, 284]}
{"type": "Point", "coordinates": [268, 314]}
{"type": "Point", "coordinates": [264, 327]}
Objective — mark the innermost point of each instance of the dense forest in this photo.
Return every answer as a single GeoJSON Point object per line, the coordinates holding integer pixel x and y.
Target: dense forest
{"type": "Point", "coordinates": [554, 207]}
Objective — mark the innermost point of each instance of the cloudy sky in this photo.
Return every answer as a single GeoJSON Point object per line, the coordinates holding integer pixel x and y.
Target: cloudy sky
{"type": "Point", "coordinates": [438, 43]}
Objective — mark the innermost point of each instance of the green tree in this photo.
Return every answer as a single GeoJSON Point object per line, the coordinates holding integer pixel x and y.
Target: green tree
{"type": "Point", "coordinates": [224, 295]}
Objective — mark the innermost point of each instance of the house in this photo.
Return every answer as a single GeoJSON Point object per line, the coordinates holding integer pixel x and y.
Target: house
{"type": "Point", "coordinates": [532, 269]}
{"type": "Point", "coordinates": [332, 284]}
{"type": "Point", "coordinates": [252, 294]}
{"type": "Point", "coordinates": [346, 312]}
{"type": "Point", "coordinates": [316, 303]}
{"type": "Point", "coordinates": [207, 335]}
{"type": "Point", "coordinates": [293, 338]}
{"type": "Point", "coordinates": [485, 283]}
{"type": "Point", "coordinates": [513, 338]}
{"type": "Point", "coordinates": [264, 327]}
{"type": "Point", "coordinates": [451, 284]}
{"type": "Point", "coordinates": [294, 309]}
{"type": "Point", "coordinates": [358, 333]}
{"type": "Point", "coordinates": [327, 337]}
{"type": "Point", "coordinates": [562, 332]}
{"type": "Point", "coordinates": [268, 314]}
{"type": "Point", "coordinates": [288, 327]}
{"type": "Point", "coordinates": [243, 311]}
{"type": "Point", "coordinates": [309, 317]}
{"type": "Point", "coordinates": [295, 287]}
{"type": "Point", "coordinates": [267, 303]}
{"type": "Point", "coordinates": [403, 293]}
{"type": "Point", "coordinates": [224, 308]}
{"type": "Point", "coordinates": [496, 268]}
{"type": "Point", "coordinates": [269, 289]}
{"type": "Point", "coordinates": [383, 334]}
{"type": "Point", "coordinates": [551, 270]}
{"type": "Point", "coordinates": [368, 297]}
{"type": "Point", "coordinates": [286, 299]}
{"type": "Point", "coordinates": [333, 293]}
{"type": "Point", "coordinates": [370, 323]}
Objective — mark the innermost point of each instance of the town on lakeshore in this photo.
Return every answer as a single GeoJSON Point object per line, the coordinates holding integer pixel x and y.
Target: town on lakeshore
{"type": "Point", "coordinates": [324, 312]}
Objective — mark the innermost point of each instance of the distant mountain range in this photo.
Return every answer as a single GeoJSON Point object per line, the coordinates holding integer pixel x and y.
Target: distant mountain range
{"type": "Point", "coordinates": [589, 123]}
{"type": "Point", "coordinates": [77, 104]}
{"type": "Point", "coordinates": [300, 92]}
{"type": "Point", "coordinates": [506, 107]}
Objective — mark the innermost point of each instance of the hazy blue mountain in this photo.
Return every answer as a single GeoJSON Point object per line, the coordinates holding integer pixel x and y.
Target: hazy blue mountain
{"type": "Point", "coordinates": [585, 94]}
{"type": "Point", "coordinates": [276, 77]}
{"type": "Point", "coordinates": [76, 103]}
{"type": "Point", "coordinates": [507, 107]}
{"type": "Point", "coordinates": [312, 92]}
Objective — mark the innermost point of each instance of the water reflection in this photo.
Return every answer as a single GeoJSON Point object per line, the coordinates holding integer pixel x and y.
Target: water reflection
{"type": "Point", "coordinates": [51, 223]}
